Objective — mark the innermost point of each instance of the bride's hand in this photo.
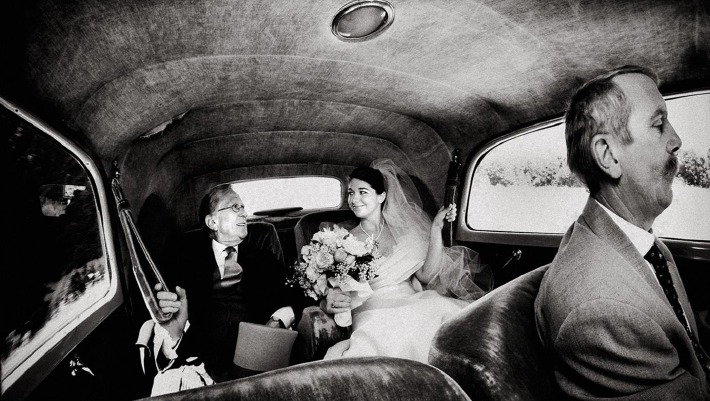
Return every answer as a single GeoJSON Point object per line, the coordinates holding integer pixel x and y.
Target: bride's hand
{"type": "Point", "coordinates": [445, 213]}
{"type": "Point", "coordinates": [336, 301]}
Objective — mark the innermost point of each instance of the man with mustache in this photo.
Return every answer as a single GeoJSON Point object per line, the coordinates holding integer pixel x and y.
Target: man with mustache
{"type": "Point", "coordinates": [612, 309]}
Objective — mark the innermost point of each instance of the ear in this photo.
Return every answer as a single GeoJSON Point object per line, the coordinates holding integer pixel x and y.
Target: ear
{"type": "Point", "coordinates": [605, 152]}
{"type": "Point", "coordinates": [381, 197]}
{"type": "Point", "coordinates": [211, 224]}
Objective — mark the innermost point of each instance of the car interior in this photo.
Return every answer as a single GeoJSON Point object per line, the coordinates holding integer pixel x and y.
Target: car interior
{"type": "Point", "coordinates": [128, 112]}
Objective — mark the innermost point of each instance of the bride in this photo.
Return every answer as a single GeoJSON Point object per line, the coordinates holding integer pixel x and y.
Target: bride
{"type": "Point", "coordinates": [420, 283]}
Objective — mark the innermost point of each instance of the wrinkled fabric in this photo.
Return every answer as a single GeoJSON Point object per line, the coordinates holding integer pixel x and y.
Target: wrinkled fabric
{"type": "Point", "coordinates": [458, 266]}
{"type": "Point", "coordinates": [182, 378]}
{"type": "Point", "coordinates": [399, 319]}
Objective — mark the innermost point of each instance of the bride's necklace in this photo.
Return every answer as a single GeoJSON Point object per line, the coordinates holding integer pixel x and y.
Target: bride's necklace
{"type": "Point", "coordinates": [372, 237]}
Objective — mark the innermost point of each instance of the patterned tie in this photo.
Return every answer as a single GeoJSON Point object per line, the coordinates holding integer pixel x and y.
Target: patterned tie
{"type": "Point", "coordinates": [232, 269]}
{"type": "Point", "coordinates": [660, 266]}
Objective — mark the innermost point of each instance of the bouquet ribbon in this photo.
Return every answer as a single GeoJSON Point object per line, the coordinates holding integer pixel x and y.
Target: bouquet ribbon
{"type": "Point", "coordinates": [359, 291]}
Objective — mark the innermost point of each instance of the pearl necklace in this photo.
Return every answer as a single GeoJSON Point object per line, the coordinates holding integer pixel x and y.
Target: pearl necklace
{"type": "Point", "coordinates": [372, 237]}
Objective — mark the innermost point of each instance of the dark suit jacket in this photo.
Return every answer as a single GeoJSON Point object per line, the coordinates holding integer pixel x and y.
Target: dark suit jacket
{"type": "Point", "coordinates": [602, 314]}
{"type": "Point", "coordinates": [212, 335]}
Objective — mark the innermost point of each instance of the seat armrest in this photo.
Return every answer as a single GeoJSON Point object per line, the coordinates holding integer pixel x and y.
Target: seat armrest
{"type": "Point", "coordinates": [317, 332]}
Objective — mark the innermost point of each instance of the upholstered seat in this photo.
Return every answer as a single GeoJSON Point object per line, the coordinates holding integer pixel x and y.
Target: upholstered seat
{"type": "Point", "coordinates": [492, 349]}
{"type": "Point", "coordinates": [310, 223]}
{"type": "Point", "coordinates": [371, 378]}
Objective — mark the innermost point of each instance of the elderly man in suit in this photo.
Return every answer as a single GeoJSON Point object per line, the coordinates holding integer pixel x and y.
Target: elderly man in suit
{"type": "Point", "coordinates": [612, 308]}
{"type": "Point", "coordinates": [224, 275]}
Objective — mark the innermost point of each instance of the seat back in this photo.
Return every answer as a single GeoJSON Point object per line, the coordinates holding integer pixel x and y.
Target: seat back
{"type": "Point", "coordinates": [492, 349]}
{"type": "Point", "coordinates": [365, 378]}
{"type": "Point", "coordinates": [310, 223]}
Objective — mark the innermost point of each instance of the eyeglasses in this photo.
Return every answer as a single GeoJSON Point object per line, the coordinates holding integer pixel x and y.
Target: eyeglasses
{"type": "Point", "coordinates": [236, 208]}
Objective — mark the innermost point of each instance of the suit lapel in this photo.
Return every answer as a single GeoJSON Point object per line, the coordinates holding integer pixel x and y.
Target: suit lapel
{"type": "Point", "coordinates": [244, 256]}
{"type": "Point", "coordinates": [604, 227]}
{"type": "Point", "coordinates": [209, 255]}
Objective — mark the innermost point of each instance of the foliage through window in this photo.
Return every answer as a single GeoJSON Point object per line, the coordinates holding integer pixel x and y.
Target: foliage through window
{"type": "Point", "coordinates": [523, 184]}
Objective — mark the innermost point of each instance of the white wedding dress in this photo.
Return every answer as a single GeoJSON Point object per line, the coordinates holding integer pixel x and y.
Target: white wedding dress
{"type": "Point", "coordinates": [399, 319]}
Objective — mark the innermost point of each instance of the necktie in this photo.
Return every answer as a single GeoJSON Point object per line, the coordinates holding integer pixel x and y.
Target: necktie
{"type": "Point", "coordinates": [660, 266]}
{"type": "Point", "coordinates": [232, 269]}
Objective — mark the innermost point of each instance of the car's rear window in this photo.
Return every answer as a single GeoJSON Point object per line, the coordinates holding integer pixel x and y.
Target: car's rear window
{"type": "Point", "coordinates": [311, 192]}
{"type": "Point", "coordinates": [522, 184]}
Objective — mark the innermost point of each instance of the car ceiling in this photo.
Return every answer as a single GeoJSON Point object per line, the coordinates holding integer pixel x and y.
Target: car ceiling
{"type": "Point", "coordinates": [248, 88]}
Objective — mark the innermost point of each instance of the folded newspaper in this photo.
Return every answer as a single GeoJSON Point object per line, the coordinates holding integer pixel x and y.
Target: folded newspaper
{"type": "Point", "coordinates": [263, 348]}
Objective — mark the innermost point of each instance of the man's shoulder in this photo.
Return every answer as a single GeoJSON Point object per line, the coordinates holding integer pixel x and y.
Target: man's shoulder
{"type": "Point", "coordinates": [587, 267]}
{"type": "Point", "coordinates": [581, 261]}
{"type": "Point", "coordinates": [580, 246]}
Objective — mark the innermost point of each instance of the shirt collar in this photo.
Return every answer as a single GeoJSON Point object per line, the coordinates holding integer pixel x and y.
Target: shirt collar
{"type": "Point", "coordinates": [641, 239]}
{"type": "Point", "coordinates": [219, 254]}
{"type": "Point", "coordinates": [219, 249]}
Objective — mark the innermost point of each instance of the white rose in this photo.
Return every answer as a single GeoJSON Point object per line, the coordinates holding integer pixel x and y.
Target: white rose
{"type": "Point", "coordinates": [324, 259]}
{"type": "Point", "coordinates": [312, 274]}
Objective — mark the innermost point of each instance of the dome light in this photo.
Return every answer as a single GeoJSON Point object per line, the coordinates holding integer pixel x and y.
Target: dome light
{"type": "Point", "coordinates": [362, 20]}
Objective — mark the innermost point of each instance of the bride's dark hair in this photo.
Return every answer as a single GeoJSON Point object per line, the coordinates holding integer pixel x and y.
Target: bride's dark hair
{"type": "Point", "coordinates": [371, 176]}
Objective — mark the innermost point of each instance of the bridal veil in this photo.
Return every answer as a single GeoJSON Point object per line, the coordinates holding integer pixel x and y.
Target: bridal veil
{"type": "Point", "coordinates": [459, 265]}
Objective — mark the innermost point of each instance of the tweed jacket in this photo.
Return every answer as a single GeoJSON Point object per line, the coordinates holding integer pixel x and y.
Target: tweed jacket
{"type": "Point", "coordinates": [605, 319]}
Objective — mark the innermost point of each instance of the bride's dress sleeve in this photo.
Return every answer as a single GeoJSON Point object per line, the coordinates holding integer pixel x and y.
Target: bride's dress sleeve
{"type": "Point", "coordinates": [461, 274]}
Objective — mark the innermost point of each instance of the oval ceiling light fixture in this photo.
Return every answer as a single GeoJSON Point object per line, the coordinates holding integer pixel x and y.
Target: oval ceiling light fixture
{"type": "Point", "coordinates": [362, 20]}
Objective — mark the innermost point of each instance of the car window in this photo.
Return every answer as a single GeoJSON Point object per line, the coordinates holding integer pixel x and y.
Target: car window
{"type": "Point", "coordinates": [313, 192]}
{"type": "Point", "coordinates": [55, 273]}
{"type": "Point", "coordinates": [522, 184]}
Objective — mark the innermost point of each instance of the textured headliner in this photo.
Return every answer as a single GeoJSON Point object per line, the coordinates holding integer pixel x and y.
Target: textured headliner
{"type": "Point", "coordinates": [446, 74]}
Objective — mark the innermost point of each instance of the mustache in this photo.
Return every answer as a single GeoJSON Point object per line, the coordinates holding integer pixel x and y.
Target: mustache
{"type": "Point", "coordinates": [671, 166]}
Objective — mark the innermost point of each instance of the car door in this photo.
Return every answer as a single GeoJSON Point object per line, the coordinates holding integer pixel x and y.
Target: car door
{"type": "Point", "coordinates": [64, 321]}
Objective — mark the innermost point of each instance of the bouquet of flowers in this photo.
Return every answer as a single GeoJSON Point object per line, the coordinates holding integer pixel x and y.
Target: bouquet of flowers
{"type": "Point", "coordinates": [335, 257]}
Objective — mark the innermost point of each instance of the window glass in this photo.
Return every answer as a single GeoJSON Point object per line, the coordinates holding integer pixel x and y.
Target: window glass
{"type": "Point", "coordinates": [523, 184]}
{"type": "Point", "coordinates": [55, 269]}
{"type": "Point", "coordinates": [314, 192]}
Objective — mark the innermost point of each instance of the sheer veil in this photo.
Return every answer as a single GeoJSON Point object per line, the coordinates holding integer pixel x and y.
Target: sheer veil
{"type": "Point", "coordinates": [459, 265]}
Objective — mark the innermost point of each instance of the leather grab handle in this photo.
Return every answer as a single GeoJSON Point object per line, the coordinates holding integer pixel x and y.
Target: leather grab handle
{"type": "Point", "coordinates": [452, 183]}
{"type": "Point", "coordinates": [146, 283]}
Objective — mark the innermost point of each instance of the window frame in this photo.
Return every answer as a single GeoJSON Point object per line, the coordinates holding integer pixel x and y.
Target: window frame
{"type": "Point", "coordinates": [692, 249]}
{"type": "Point", "coordinates": [36, 367]}
{"type": "Point", "coordinates": [468, 233]}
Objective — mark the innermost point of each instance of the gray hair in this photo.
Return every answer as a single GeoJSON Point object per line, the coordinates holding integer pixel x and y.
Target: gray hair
{"type": "Point", "coordinates": [598, 107]}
